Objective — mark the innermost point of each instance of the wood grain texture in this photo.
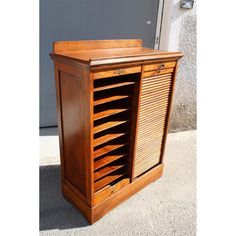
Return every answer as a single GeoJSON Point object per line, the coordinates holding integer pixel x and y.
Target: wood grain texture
{"type": "Point", "coordinates": [107, 160]}
{"type": "Point", "coordinates": [113, 86]}
{"type": "Point", "coordinates": [168, 113]}
{"type": "Point", "coordinates": [103, 194]}
{"type": "Point", "coordinates": [127, 191]}
{"type": "Point", "coordinates": [59, 118]}
{"type": "Point", "coordinates": [72, 46]}
{"type": "Point", "coordinates": [108, 52]}
{"type": "Point", "coordinates": [158, 72]}
{"type": "Point", "coordinates": [75, 128]}
{"type": "Point", "coordinates": [151, 131]}
{"type": "Point", "coordinates": [113, 105]}
{"type": "Point", "coordinates": [117, 72]}
{"type": "Point", "coordinates": [108, 148]}
{"type": "Point", "coordinates": [109, 99]}
{"type": "Point", "coordinates": [159, 66]}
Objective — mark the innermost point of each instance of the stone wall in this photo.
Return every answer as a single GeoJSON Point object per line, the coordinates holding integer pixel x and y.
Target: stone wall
{"type": "Point", "coordinates": [184, 102]}
{"type": "Point", "coordinates": [178, 33]}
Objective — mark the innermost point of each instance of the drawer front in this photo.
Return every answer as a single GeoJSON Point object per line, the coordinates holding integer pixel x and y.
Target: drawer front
{"type": "Point", "coordinates": [158, 72]}
{"type": "Point", "coordinates": [154, 102]}
{"type": "Point", "coordinates": [117, 72]}
{"type": "Point", "coordinates": [159, 66]}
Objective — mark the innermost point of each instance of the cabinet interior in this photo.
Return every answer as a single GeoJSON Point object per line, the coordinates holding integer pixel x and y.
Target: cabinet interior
{"type": "Point", "coordinates": [115, 103]}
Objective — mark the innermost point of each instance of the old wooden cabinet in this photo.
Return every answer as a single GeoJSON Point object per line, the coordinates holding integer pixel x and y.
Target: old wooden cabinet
{"type": "Point", "coordinates": [113, 104]}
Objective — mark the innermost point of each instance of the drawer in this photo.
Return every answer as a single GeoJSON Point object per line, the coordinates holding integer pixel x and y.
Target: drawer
{"type": "Point", "coordinates": [158, 72]}
{"type": "Point", "coordinates": [159, 66]}
{"type": "Point", "coordinates": [117, 72]}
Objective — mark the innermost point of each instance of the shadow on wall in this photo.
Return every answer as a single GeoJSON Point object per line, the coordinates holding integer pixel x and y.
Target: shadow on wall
{"type": "Point", "coordinates": [55, 211]}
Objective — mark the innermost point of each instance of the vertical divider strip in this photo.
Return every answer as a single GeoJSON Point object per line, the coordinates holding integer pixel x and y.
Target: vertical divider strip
{"type": "Point", "coordinates": [167, 119]}
{"type": "Point", "coordinates": [135, 119]}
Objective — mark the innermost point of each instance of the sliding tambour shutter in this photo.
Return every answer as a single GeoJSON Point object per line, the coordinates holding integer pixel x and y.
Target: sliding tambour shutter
{"type": "Point", "coordinates": [155, 93]}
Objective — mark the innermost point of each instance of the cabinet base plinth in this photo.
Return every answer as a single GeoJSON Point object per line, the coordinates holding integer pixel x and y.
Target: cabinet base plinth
{"type": "Point", "coordinates": [92, 214]}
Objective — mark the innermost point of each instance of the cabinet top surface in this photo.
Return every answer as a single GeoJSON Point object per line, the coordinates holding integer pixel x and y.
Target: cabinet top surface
{"type": "Point", "coordinates": [98, 52]}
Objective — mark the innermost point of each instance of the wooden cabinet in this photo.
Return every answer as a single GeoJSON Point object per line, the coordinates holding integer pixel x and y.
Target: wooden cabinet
{"type": "Point", "coordinates": [113, 104]}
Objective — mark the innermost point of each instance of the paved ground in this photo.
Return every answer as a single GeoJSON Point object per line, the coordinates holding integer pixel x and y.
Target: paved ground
{"type": "Point", "coordinates": [166, 207]}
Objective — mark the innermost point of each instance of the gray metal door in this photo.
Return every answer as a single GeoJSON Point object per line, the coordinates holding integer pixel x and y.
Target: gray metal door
{"type": "Point", "coordinates": [88, 19]}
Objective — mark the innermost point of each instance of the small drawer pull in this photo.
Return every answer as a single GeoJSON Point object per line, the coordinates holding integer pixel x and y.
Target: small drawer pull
{"type": "Point", "coordinates": [119, 72]}
{"type": "Point", "coordinates": [161, 66]}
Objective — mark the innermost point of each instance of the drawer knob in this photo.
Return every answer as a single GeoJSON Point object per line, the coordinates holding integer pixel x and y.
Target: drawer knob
{"type": "Point", "coordinates": [161, 66]}
{"type": "Point", "coordinates": [119, 72]}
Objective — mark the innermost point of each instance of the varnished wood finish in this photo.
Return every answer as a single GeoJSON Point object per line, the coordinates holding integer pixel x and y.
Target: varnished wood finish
{"type": "Point", "coordinates": [113, 106]}
{"type": "Point", "coordinates": [73, 46]}
{"type": "Point", "coordinates": [159, 66]}
{"type": "Point", "coordinates": [117, 72]}
{"type": "Point", "coordinates": [150, 132]}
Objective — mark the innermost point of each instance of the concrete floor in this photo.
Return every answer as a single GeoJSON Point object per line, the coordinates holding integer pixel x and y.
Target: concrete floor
{"type": "Point", "coordinates": [166, 207]}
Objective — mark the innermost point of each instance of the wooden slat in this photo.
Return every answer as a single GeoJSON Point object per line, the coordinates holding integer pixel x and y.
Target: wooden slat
{"type": "Point", "coordinates": [148, 165]}
{"type": "Point", "coordinates": [156, 97]}
{"type": "Point", "coordinates": [156, 79]}
{"type": "Point", "coordinates": [154, 89]}
{"type": "Point", "coordinates": [153, 101]}
{"type": "Point", "coordinates": [149, 115]}
{"type": "Point", "coordinates": [150, 153]}
{"type": "Point", "coordinates": [106, 160]}
{"type": "Point", "coordinates": [154, 104]}
{"type": "Point", "coordinates": [106, 138]}
{"type": "Point", "coordinates": [158, 83]}
{"type": "Point", "coordinates": [153, 108]}
{"type": "Point", "coordinates": [110, 99]}
{"type": "Point", "coordinates": [155, 126]}
{"type": "Point", "coordinates": [108, 148]}
{"type": "Point", "coordinates": [152, 115]}
{"type": "Point", "coordinates": [107, 125]}
{"type": "Point", "coordinates": [107, 170]}
{"type": "Point", "coordinates": [105, 181]}
{"type": "Point", "coordinates": [116, 85]}
{"type": "Point", "coordinates": [108, 112]}
{"type": "Point", "coordinates": [151, 144]}
{"type": "Point", "coordinates": [151, 119]}
{"type": "Point", "coordinates": [158, 132]}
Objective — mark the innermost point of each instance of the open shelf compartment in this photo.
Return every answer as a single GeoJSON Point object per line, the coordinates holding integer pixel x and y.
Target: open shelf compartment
{"type": "Point", "coordinates": [115, 102]}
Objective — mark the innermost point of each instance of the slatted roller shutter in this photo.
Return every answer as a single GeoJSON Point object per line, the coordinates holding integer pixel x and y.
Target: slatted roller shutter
{"type": "Point", "coordinates": [152, 117]}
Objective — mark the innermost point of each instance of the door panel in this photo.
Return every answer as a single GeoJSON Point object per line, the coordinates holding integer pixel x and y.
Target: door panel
{"type": "Point", "coordinates": [88, 19]}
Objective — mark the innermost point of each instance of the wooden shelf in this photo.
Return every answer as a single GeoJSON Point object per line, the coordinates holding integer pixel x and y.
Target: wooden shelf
{"type": "Point", "coordinates": [107, 180]}
{"type": "Point", "coordinates": [107, 170]}
{"type": "Point", "coordinates": [116, 85]}
{"type": "Point", "coordinates": [113, 111]}
{"type": "Point", "coordinates": [108, 112]}
{"type": "Point", "coordinates": [106, 160]}
{"type": "Point", "coordinates": [110, 99]}
{"type": "Point", "coordinates": [107, 125]}
{"type": "Point", "coordinates": [108, 148]}
{"type": "Point", "coordinates": [106, 138]}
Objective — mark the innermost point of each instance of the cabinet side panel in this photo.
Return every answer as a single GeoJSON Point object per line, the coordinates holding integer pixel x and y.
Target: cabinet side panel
{"type": "Point", "coordinates": [75, 115]}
